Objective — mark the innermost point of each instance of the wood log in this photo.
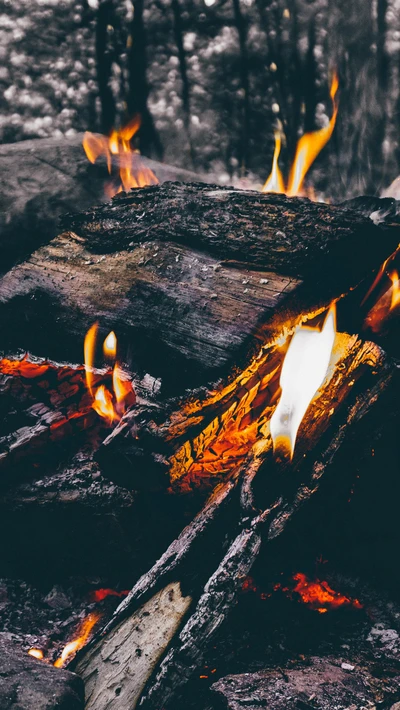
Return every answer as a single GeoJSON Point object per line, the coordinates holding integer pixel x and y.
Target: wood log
{"type": "Point", "coordinates": [160, 266]}
{"type": "Point", "coordinates": [44, 178]}
{"type": "Point", "coordinates": [356, 390]}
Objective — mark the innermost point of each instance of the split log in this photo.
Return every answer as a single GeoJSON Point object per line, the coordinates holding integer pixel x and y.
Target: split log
{"type": "Point", "coordinates": [357, 390]}
{"type": "Point", "coordinates": [45, 178]}
{"type": "Point", "coordinates": [160, 266]}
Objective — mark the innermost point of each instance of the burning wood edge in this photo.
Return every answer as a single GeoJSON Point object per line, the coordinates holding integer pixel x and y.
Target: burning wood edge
{"type": "Point", "coordinates": [356, 390]}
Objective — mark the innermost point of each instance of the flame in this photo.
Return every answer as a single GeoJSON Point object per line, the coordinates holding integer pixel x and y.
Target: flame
{"type": "Point", "coordinates": [395, 290]}
{"type": "Point", "coordinates": [303, 372]}
{"type": "Point", "coordinates": [98, 595]}
{"type": "Point", "coordinates": [88, 349]}
{"type": "Point", "coordinates": [275, 181]}
{"type": "Point", "coordinates": [110, 345]}
{"type": "Point", "coordinates": [36, 653]}
{"type": "Point", "coordinates": [320, 595]}
{"type": "Point", "coordinates": [308, 148]}
{"type": "Point", "coordinates": [73, 646]}
{"type": "Point", "coordinates": [132, 172]}
{"type": "Point", "coordinates": [110, 406]}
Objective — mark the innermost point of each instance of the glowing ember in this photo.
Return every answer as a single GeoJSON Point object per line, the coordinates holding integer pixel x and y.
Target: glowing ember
{"type": "Point", "coordinates": [36, 653]}
{"type": "Point", "coordinates": [389, 300]}
{"type": "Point", "coordinates": [98, 595]}
{"type": "Point", "coordinates": [132, 171]}
{"type": "Point", "coordinates": [303, 372]}
{"type": "Point", "coordinates": [73, 646]}
{"type": "Point", "coordinates": [110, 345]}
{"type": "Point", "coordinates": [110, 406]}
{"type": "Point", "coordinates": [320, 595]}
{"type": "Point", "coordinates": [308, 148]}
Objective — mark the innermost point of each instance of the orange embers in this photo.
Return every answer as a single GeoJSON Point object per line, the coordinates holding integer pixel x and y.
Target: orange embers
{"type": "Point", "coordinates": [76, 644]}
{"type": "Point", "coordinates": [388, 302]}
{"type": "Point", "coordinates": [36, 653]}
{"type": "Point", "coordinates": [110, 405]}
{"type": "Point", "coordinates": [116, 148]}
{"type": "Point", "coordinates": [320, 595]}
{"type": "Point", "coordinates": [98, 595]}
{"type": "Point", "coordinates": [303, 372]}
{"type": "Point", "coordinates": [308, 148]}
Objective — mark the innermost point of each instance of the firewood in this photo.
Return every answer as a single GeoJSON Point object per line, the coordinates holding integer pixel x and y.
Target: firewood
{"type": "Point", "coordinates": [357, 392]}
{"type": "Point", "coordinates": [190, 276]}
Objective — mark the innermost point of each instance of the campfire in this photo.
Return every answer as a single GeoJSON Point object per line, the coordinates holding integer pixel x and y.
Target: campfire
{"type": "Point", "coordinates": [194, 380]}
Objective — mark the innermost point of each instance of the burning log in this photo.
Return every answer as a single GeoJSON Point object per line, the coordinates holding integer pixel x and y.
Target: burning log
{"type": "Point", "coordinates": [344, 411]}
{"type": "Point", "coordinates": [167, 267]}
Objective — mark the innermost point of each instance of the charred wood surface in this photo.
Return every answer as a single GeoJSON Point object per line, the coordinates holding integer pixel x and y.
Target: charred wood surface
{"type": "Point", "coordinates": [186, 274]}
{"type": "Point", "coordinates": [357, 390]}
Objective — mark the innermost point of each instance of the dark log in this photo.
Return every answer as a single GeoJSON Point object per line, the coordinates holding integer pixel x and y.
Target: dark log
{"type": "Point", "coordinates": [160, 267]}
{"type": "Point", "coordinates": [45, 178]}
{"type": "Point", "coordinates": [356, 390]}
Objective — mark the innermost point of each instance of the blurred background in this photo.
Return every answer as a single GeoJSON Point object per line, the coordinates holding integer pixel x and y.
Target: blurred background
{"type": "Point", "coordinates": [212, 80]}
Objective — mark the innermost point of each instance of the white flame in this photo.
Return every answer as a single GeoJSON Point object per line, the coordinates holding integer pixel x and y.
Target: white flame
{"type": "Point", "coordinates": [303, 372]}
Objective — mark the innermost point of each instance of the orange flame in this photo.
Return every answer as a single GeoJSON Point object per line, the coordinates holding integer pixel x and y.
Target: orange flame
{"type": "Point", "coordinates": [275, 181]}
{"type": "Point", "coordinates": [73, 646]}
{"type": "Point", "coordinates": [320, 595]}
{"type": "Point", "coordinates": [303, 372]}
{"type": "Point", "coordinates": [132, 171]}
{"type": "Point", "coordinates": [308, 148]}
{"type": "Point", "coordinates": [388, 301]}
{"type": "Point", "coordinates": [395, 300]}
{"type": "Point", "coordinates": [36, 653]}
{"type": "Point", "coordinates": [110, 345]}
{"type": "Point", "coordinates": [110, 406]}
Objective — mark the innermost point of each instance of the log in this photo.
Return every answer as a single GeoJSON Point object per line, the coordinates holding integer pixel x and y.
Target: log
{"type": "Point", "coordinates": [160, 267]}
{"type": "Point", "coordinates": [44, 178]}
{"type": "Point", "coordinates": [357, 390]}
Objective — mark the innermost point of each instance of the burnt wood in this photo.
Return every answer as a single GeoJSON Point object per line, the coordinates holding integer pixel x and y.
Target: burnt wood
{"type": "Point", "coordinates": [191, 277]}
{"type": "Point", "coordinates": [358, 391]}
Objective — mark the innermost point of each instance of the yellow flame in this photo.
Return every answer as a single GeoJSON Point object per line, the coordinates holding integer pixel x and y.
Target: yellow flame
{"type": "Point", "coordinates": [78, 643]}
{"type": "Point", "coordinates": [395, 290]}
{"type": "Point", "coordinates": [110, 345]}
{"type": "Point", "coordinates": [36, 653]}
{"type": "Point", "coordinates": [89, 348]}
{"type": "Point", "coordinates": [132, 171]}
{"type": "Point", "coordinates": [275, 182]}
{"type": "Point", "coordinates": [303, 372]}
{"type": "Point", "coordinates": [308, 148]}
{"type": "Point", "coordinates": [103, 404]}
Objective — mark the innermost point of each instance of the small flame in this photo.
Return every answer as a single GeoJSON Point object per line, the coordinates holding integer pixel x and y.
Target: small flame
{"type": "Point", "coordinates": [103, 404]}
{"type": "Point", "coordinates": [320, 595]}
{"type": "Point", "coordinates": [88, 349]}
{"type": "Point", "coordinates": [275, 182]}
{"type": "Point", "coordinates": [110, 406]}
{"type": "Point", "coordinates": [308, 148]}
{"type": "Point", "coordinates": [110, 345]}
{"type": "Point", "coordinates": [36, 653]}
{"type": "Point", "coordinates": [394, 277]}
{"type": "Point", "coordinates": [73, 646]}
{"type": "Point", "coordinates": [132, 172]}
{"type": "Point", "coordinates": [303, 372]}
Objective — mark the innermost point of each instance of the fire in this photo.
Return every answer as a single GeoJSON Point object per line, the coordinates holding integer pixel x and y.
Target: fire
{"type": "Point", "coordinates": [73, 646]}
{"type": "Point", "coordinates": [36, 653]}
{"type": "Point", "coordinates": [98, 595]}
{"type": "Point", "coordinates": [132, 172]}
{"type": "Point", "coordinates": [320, 595]}
{"type": "Point", "coordinates": [308, 148]}
{"type": "Point", "coordinates": [110, 345]}
{"type": "Point", "coordinates": [389, 300]}
{"type": "Point", "coordinates": [303, 372]}
{"type": "Point", "coordinates": [110, 406]}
